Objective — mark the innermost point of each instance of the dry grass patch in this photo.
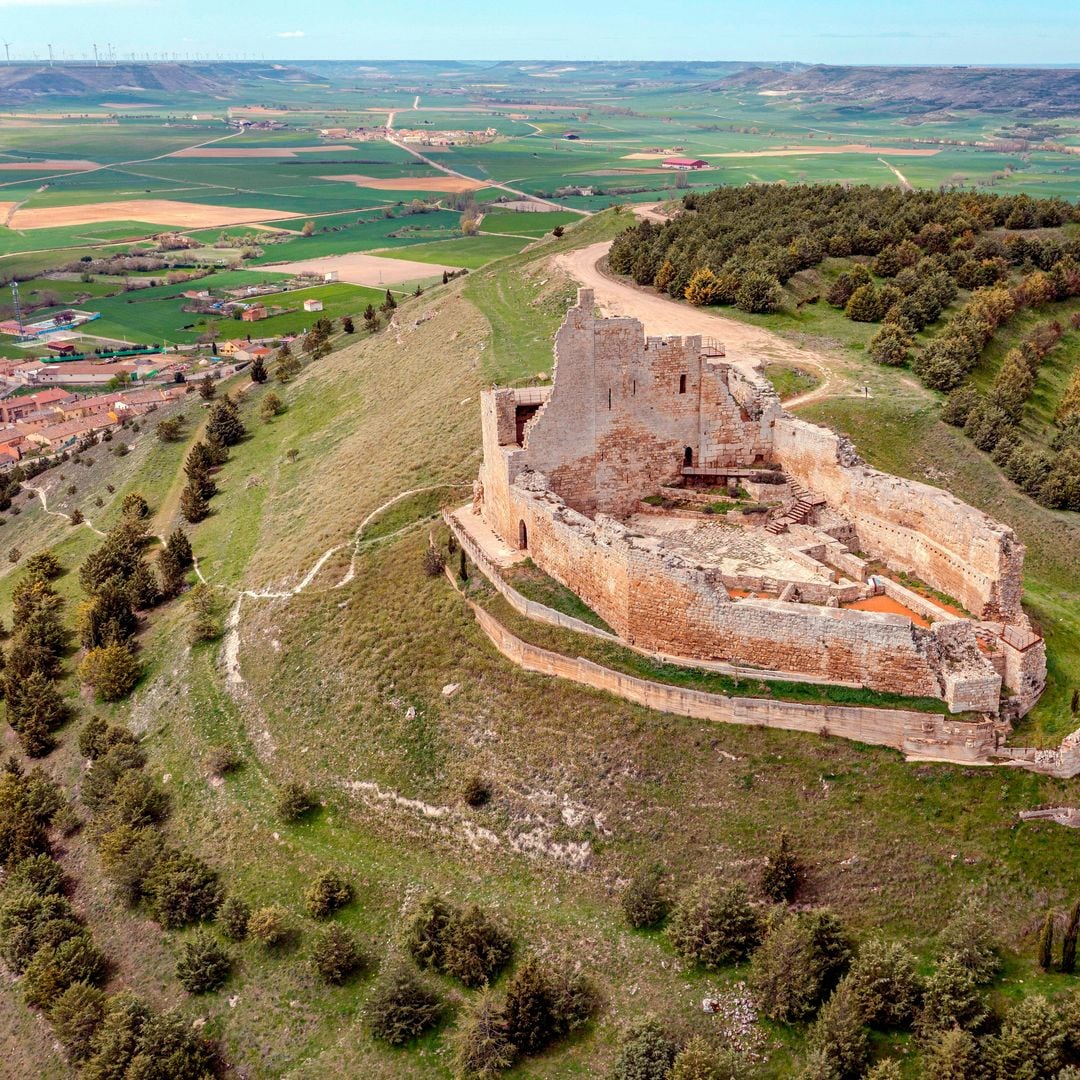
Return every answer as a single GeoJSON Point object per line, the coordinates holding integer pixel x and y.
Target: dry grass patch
{"type": "Point", "coordinates": [452, 184]}
{"type": "Point", "coordinates": [154, 211]}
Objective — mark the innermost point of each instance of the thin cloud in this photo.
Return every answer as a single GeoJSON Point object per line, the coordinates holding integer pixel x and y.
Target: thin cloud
{"type": "Point", "coordinates": [285, 33]}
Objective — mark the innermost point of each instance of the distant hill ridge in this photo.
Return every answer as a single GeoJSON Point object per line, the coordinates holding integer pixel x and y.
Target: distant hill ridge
{"type": "Point", "coordinates": [23, 83]}
{"type": "Point", "coordinates": [924, 88]}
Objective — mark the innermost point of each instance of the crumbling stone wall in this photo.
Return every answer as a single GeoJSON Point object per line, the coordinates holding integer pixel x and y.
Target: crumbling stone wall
{"type": "Point", "coordinates": [922, 529]}
{"type": "Point", "coordinates": [622, 413]}
{"type": "Point", "coordinates": [670, 605]}
{"type": "Point", "coordinates": [623, 416]}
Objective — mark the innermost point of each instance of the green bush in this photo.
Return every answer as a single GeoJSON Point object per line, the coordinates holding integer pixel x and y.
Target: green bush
{"type": "Point", "coordinates": [328, 893]}
{"type": "Point", "coordinates": [476, 791]}
{"type": "Point", "coordinates": [544, 1004]}
{"type": "Point", "coordinates": [1031, 1042]}
{"type": "Point", "coordinates": [476, 948]}
{"type": "Point", "coordinates": [798, 965]}
{"type": "Point", "coordinates": [885, 982]}
{"type": "Point", "coordinates": [293, 801]}
{"type": "Point", "coordinates": [952, 1054]}
{"type": "Point", "coordinates": [136, 800]}
{"type": "Point", "coordinates": [646, 1053]}
{"type": "Point", "coordinates": [232, 918]}
{"type": "Point", "coordinates": [336, 954]}
{"type": "Point", "coordinates": [27, 919]}
{"type": "Point", "coordinates": [182, 889]}
{"type": "Point", "coordinates": [114, 1042]}
{"type": "Point", "coordinates": [54, 968]}
{"type": "Point", "coordinates": [269, 926]}
{"type": "Point", "coordinates": [645, 901]}
{"type": "Point", "coordinates": [75, 1017]}
{"type": "Point", "coordinates": [168, 1050]}
{"type": "Point", "coordinates": [714, 926]}
{"type": "Point", "coordinates": [203, 965]}
{"type": "Point", "coordinates": [401, 1006]}
{"type": "Point", "coordinates": [950, 999]}
{"type": "Point", "coordinates": [837, 1041]}
{"type": "Point", "coordinates": [697, 1060]}
{"type": "Point", "coordinates": [482, 1049]}
{"type": "Point", "coordinates": [98, 783]}
{"type": "Point", "coordinates": [466, 944]}
{"type": "Point", "coordinates": [97, 738]}
{"type": "Point", "coordinates": [969, 938]}
{"type": "Point", "coordinates": [39, 874]}
{"type": "Point", "coordinates": [425, 934]}
{"type": "Point", "coordinates": [129, 857]}
{"type": "Point", "coordinates": [111, 670]}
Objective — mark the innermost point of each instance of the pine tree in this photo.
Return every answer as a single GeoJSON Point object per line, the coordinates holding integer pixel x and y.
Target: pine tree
{"type": "Point", "coordinates": [179, 546]}
{"type": "Point", "coordinates": [347, 325]}
{"type": "Point", "coordinates": [1068, 942]}
{"type": "Point", "coordinates": [389, 303]}
{"type": "Point", "coordinates": [224, 425]}
{"type": "Point", "coordinates": [701, 288]}
{"type": "Point", "coordinates": [207, 390]}
{"type": "Point", "coordinates": [193, 504]}
{"type": "Point", "coordinates": [1046, 942]}
{"type": "Point", "coordinates": [782, 873]}
{"type": "Point", "coordinates": [258, 371]}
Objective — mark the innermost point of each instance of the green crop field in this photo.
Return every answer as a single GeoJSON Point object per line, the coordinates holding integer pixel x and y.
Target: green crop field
{"type": "Point", "coordinates": [471, 252]}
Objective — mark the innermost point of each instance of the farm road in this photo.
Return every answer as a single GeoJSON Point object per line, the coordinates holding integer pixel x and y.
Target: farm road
{"type": "Point", "coordinates": [488, 183]}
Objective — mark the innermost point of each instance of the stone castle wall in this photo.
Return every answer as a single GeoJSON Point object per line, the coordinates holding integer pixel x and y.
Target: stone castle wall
{"type": "Point", "coordinates": [672, 606]}
{"type": "Point", "coordinates": [623, 416]}
{"type": "Point", "coordinates": [922, 529]}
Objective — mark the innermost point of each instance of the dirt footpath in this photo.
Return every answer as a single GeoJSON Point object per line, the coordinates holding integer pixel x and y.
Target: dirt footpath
{"type": "Point", "coordinates": [744, 344]}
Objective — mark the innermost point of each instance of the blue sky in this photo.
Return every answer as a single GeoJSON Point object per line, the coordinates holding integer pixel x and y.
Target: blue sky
{"type": "Point", "coordinates": [822, 31]}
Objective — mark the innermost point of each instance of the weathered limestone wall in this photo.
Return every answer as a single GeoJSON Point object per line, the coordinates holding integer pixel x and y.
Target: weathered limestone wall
{"type": "Point", "coordinates": [622, 413]}
{"type": "Point", "coordinates": [670, 606]}
{"type": "Point", "coordinates": [922, 529]}
{"type": "Point", "coordinates": [623, 416]}
{"type": "Point", "coordinates": [917, 734]}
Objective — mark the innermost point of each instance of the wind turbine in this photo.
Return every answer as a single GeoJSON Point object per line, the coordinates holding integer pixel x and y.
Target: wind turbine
{"type": "Point", "coordinates": [7, 50]}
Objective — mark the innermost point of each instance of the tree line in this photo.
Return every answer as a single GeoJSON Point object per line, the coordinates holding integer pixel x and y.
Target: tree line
{"type": "Point", "coordinates": [750, 240]}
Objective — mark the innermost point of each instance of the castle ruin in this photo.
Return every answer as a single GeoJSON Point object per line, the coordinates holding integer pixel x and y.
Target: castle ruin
{"type": "Point", "coordinates": [670, 490]}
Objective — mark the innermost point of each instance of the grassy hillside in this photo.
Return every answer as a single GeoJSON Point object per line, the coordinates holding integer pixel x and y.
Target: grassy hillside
{"type": "Point", "coordinates": [374, 685]}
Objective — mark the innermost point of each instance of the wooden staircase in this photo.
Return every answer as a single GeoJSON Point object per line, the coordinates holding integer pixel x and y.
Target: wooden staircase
{"type": "Point", "coordinates": [799, 513]}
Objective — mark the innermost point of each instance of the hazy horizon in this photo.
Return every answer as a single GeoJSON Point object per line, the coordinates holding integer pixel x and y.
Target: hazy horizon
{"type": "Point", "coordinates": [1040, 33]}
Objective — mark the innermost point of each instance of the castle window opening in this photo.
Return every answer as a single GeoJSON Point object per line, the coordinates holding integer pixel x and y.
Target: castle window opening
{"type": "Point", "coordinates": [523, 536]}
{"type": "Point", "coordinates": [688, 457]}
{"type": "Point", "coordinates": [682, 384]}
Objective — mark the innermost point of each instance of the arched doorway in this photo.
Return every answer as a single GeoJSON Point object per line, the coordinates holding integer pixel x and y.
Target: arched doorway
{"type": "Point", "coordinates": [523, 536]}
{"type": "Point", "coordinates": [688, 457]}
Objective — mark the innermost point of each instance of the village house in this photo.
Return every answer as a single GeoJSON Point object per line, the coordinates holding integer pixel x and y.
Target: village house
{"type": "Point", "coordinates": [253, 313]}
{"type": "Point", "coordinates": [313, 305]}
{"type": "Point", "coordinates": [14, 409]}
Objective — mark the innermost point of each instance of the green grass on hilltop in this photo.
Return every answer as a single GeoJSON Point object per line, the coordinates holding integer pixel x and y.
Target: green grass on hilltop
{"type": "Point", "coordinates": [378, 687]}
